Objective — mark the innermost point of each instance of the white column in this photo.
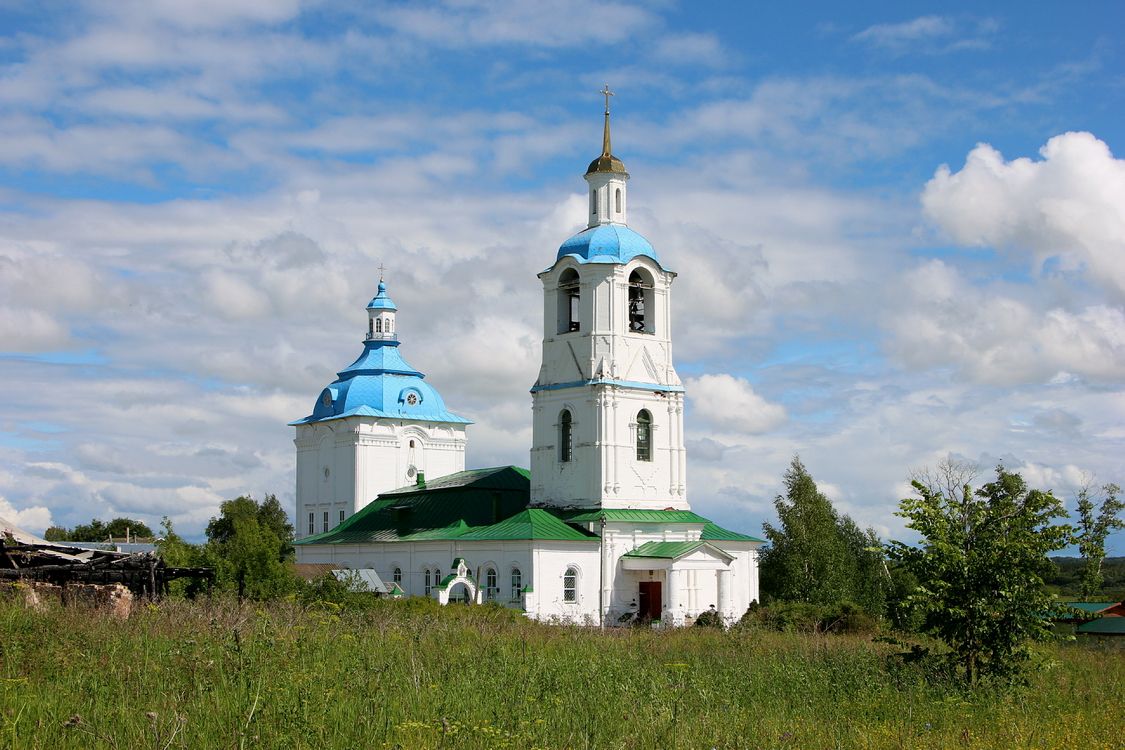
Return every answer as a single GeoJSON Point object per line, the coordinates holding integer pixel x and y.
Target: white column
{"type": "Point", "coordinates": [723, 582]}
{"type": "Point", "coordinates": [675, 597]}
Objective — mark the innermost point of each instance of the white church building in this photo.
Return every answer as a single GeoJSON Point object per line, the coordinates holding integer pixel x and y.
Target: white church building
{"type": "Point", "coordinates": [600, 530]}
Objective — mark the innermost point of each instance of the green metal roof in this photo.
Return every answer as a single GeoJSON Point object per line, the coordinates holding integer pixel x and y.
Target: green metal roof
{"type": "Point", "coordinates": [497, 478]}
{"type": "Point", "coordinates": [670, 550]}
{"type": "Point", "coordinates": [712, 532]}
{"type": "Point", "coordinates": [1090, 607]}
{"type": "Point", "coordinates": [631, 515]}
{"type": "Point", "coordinates": [443, 509]}
{"type": "Point", "coordinates": [1103, 626]}
{"type": "Point", "coordinates": [533, 523]}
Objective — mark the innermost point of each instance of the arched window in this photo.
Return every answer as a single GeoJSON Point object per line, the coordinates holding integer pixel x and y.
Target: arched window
{"type": "Point", "coordinates": [390, 325]}
{"type": "Point", "coordinates": [370, 326]}
{"type": "Point", "coordinates": [378, 325]}
{"type": "Point", "coordinates": [426, 579]}
{"type": "Point", "coordinates": [517, 584]}
{"type": "Point", "coordinates": [491, 588]}
{"type": "Point", "coordinates": [396, 575]}
{"type": "Point", "coordinates": [570, 585]}
{"type": "Point", "coordinates": [617, 202]}
{"type": "Point", "coordinates": [566, 436]}
{"type": "Point", "coordinates": [570, 301]}
{"type": "Point", "coordinates": [644, 436]}
{"type": "Point", "coordinates": [593, 202]}
{"type": "Point", "coordinates": [640, 303]}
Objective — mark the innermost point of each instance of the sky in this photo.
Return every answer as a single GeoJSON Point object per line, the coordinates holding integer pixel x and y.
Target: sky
{"type": "Point", "coordinates": [899, 231]}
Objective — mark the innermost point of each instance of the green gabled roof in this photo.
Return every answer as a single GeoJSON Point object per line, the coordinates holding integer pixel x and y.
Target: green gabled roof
{"type": "Point", "coordinates": [533, 523]}
{"type": "Point", "coordinates": [712, 532]}
{"type": "Point", "coordinates": [443, 509]}
{"type": "Point", "coordinates": [632, 515]}
{"type": "Point", "coordinates": [670, 550]}
{"type": "Point", "coordinates": [1103, 625]}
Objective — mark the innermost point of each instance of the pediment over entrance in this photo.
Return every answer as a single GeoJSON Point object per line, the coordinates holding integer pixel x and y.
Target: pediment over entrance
{"type": "Point", "coordinates": [694, 555]}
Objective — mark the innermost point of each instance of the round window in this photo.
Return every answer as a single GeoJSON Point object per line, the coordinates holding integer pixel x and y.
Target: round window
{"type": "Point", "coordinates": [412, 399]}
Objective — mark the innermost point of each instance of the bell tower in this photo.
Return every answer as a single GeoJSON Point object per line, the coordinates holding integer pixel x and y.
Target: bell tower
{"type": "Point", "coordinates": [608, 405]}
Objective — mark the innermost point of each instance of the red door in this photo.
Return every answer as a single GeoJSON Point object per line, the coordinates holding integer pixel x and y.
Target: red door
{"type": "Point", "coordinates": [649, 600]}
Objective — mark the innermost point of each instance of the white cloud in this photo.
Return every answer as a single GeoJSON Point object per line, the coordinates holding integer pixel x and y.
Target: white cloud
{"type": "Point", "coordinates": [692, 48]}
{"type": "Point", "coordinates": [545, 23]}
{"type": "Point", "coordinates": [943, 320]}
{"type": "Point", "coordinates": [34, 520]}
{"type": "Point", "coordinates": [730, 402]}
{"type": "Point", "coordinates": [897, 34]}
{"type": "Point", "coordinates": [929, 35]}
{"type": "Point", "coordinates": [1069, 205]}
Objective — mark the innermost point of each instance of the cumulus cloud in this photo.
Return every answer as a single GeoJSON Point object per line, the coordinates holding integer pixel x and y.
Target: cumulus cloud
{"type": "Point", "coordinates": [946, 321]}
{"type": "Point", "coordinates": [34, 519]}
{"type": "Point", "coordinates": [1069, 204]}
{"type": "Point", "coordinates": [730, 402]}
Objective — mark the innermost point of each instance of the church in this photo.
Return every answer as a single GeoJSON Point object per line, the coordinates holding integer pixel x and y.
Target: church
{"type": "Point", "coordinates": [599, 531]}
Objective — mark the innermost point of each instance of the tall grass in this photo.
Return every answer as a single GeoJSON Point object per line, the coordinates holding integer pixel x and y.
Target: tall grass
{"type": "Point", "coordinates": [413, 675]}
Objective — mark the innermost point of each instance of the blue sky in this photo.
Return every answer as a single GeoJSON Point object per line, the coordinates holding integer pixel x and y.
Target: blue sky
{"type": "Point", "coordinates": [900, 233]}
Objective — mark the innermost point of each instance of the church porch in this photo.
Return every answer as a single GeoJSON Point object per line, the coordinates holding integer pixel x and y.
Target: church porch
{"type": "Point", "coordinates": [689, 577]}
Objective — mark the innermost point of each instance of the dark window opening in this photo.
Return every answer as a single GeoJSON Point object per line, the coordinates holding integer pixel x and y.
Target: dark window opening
{"type": "Point", "coordinates": [570, 302]}
{"type": "Point", "coordinates": [566, 431]}
{"type": "Point", "coordinates": [644, 436]}
{"type": "Point", "coordinates": [640, 304]}
{"type": "Point", "coordinates": [570, 585]}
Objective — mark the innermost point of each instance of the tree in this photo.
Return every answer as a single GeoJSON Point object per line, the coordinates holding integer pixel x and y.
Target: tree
{"type": "Point", "coordinates": [269, 514]}
{"type": "Point", "coordinates": [1094, 525]}
{"type": "Point", "coordinates": [980, 566]}
{"type": "Point", "coordinates": [178, 553]}
{"type": "Point", "coordinates": [818, 556]}
{"type": "Point", "coordinates": [99, 531]}
{"type": "Point", "coordinates": [249, 554]}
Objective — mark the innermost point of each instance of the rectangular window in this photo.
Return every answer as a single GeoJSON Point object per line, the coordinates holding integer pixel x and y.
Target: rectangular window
{"type": "Point", "coordinates": [341, 516]}
{"type": "Point", "coordinates": [326, 520]}
{"type": "Point", "coordinates": [312, 523]}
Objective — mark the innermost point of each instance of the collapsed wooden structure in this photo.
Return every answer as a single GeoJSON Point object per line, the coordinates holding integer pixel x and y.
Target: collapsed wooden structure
{"type": "Point", "coordinates": [28, 559]}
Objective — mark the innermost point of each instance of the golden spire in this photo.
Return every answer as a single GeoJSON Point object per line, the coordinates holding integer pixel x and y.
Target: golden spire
{"type": "Point", "coordinates": [607, 162]}
{"type": "Point", "coordinates": [606, 151]}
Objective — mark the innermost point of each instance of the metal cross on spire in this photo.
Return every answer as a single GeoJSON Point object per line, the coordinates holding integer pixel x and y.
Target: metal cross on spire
{"type": "Point", "coordinates": [606, 150]}
{"type": "Point", "coordinates": [382, 268]}
{"type": "Point", "coordinates": [606, 93]}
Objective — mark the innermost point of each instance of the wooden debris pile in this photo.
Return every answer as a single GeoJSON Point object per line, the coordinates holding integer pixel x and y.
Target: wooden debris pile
{"type": "Point", "coordinates": [27, 558]}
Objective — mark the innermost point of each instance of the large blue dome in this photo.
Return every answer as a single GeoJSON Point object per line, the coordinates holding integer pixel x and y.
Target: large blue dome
{"type": "Point", "coordinates": [606, 243]}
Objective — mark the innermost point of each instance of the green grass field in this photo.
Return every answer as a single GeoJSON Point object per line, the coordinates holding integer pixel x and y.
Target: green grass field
{"type": "Point", "coordinates": [412, 675]}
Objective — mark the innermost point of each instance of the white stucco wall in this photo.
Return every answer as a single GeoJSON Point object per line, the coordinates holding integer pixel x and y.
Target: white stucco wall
{"type": "Point", "coordinates": [365, 456]}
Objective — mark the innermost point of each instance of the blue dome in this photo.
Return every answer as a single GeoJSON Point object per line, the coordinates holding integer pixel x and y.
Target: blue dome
{"type": "Point", "coordinates": [606, 243]}
{"type": "Point", "coordinates": [380, 383]}
{"type": "Point", "coordinates": [381, 301]}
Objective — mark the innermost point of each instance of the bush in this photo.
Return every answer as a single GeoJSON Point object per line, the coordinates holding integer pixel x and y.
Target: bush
{"type": "Point", "coordinates": [802, 617]}
{"type": "Point", "coordinates": [709, 619]}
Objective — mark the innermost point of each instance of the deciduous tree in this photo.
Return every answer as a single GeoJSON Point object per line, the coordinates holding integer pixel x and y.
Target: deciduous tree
{"type": "Point", "coordinates": [980, 566]}
{"type": "Point", "coordinates": [1094, 525]}
{"type": "Point", "coordinates": [816, 555]}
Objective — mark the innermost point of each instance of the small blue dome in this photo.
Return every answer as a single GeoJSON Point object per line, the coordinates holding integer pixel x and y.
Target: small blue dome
{"type": "Point", "coordinates": [380, 383]}
{"type": "Point", "coordinates": [607, 243]}
{"type": "Point", "coordinates": [381, 301]}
